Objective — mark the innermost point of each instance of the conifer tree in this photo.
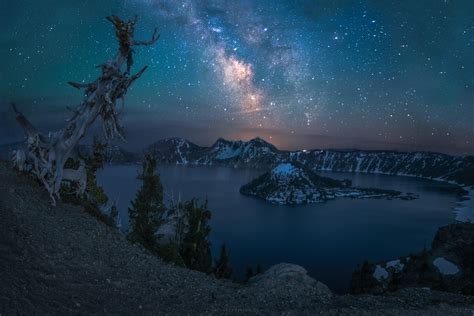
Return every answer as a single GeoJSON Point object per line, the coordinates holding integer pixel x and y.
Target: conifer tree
{"type": "Point", "coordinates": [94, 199]}
{"type": "Point", "coordinates": [222, 269]}
{"type": "Point", "coordinates": [169, 252]}
{"type": "Point", "coordinates": [248, 274]}
{"type": "Point", "coordinates": [147, 207]}
{"type": "Point", "coordinates": [195, 248]}
{"type": "Point", "coordinates": [94, 163]}
{"type": "Point", "coordinates": [258, 269]}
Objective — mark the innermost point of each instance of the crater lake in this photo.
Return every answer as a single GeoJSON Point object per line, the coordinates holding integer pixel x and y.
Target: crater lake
{"type": "Point", "coordinates": [328, 239]}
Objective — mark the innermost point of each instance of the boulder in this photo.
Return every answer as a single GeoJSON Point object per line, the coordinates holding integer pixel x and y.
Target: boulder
{"type": "Point", "coordinates": [288, 282]}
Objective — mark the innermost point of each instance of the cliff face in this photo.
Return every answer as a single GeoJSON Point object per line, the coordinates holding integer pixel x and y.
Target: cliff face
{"type": "Point", "coordinates": [417, 164]}
{"type": "Point", "coordinates": [61, 261]}
{"type": "Point", "coordinates": [448, 266]}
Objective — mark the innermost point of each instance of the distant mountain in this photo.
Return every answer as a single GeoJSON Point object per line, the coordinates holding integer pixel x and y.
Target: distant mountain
{"type": "Point", "coordinates": [257, 153]}
{"type": "Point", "coordinates": [176, 151]}
{"type": "Point", "coordinates": [293, 183]}
{"type": "Point", "coordinates": [114, 154]}
{"type": "Point", "coordinates": [459, 169]}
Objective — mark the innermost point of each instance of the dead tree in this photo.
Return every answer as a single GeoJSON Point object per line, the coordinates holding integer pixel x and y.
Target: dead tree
{"type": "Point", "coordinates": [46, 155]}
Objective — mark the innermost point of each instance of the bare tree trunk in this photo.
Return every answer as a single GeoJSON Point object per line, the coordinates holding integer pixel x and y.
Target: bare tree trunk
{"type": "Point", "coordinates": [46, 156]}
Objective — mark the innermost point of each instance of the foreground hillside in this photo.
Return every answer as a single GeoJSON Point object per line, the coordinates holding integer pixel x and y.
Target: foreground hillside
{"type": "Point", "coordinates": [62, 260]}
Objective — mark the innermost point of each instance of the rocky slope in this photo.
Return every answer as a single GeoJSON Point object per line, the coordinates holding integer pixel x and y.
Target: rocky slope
{"type": "Point", "coordinates": [448, 266]}
{"type": "Point", "coordinates": [293, 183]}
{"type": "Point", "coordinates": [61, 260]}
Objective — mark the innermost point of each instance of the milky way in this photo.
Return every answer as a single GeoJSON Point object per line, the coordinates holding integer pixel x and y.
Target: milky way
{"type": "Point", "coordinates": [369, 74]}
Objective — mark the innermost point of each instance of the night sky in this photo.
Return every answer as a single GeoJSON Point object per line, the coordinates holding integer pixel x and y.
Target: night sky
{"type": "Point", "coordinates": [373, 74]}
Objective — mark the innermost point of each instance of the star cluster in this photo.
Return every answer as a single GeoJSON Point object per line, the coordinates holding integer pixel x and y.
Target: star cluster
{"type": "Point", "coordinates": [368, 74]}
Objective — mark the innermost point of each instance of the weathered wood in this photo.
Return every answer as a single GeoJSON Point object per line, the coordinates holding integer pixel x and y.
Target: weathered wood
{"type": "Point", "coordinates": [46, 156]}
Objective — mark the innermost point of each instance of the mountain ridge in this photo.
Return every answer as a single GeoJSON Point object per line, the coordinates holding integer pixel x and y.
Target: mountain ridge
{"type": "Point", "coordinates": [260, 154]}
{"type": "Point", "coordinates": [257, 153]}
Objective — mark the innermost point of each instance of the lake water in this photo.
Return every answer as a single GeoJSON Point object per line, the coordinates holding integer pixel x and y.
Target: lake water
{"type": "Point", "coordinates": [329, 239]}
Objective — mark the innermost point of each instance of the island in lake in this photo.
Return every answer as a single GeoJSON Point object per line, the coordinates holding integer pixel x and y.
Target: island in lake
{"type": "Point", "coordinates": [293, 183]}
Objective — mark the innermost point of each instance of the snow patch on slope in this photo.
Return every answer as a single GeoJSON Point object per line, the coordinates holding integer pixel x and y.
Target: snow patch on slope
{"type": "Point", "coordinates": [380, 273]}
{"type": "Point", "coordinates": [445, 267]}
{"type": "Point", "coordinates": [228, 152]}
{"type": "Point", "coordinates": [395, 264]}
{"type": "Point", "coordinates": [284, 169]}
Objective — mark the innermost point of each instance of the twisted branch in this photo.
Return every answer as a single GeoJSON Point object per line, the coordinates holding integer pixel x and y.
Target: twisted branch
{"type": "Point", "coordinates": [46, 156]}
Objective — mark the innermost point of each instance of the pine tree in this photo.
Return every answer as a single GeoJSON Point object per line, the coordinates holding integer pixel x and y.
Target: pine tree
{"type": "Point", "coordinates": [114, 215]}
{"type": "Point", "coordinates": [94, 200]}
{"type": "Point", "coordinates": [169, 252]}
{"type": "Point", "coordinates": [147, 207]}
{"type": "Point", "coordinates": [94, 163]}
{"type": "Point", "coordinates": [248, 274]}
{"type": "Point", "coordinates": [222, 269]}
{"type": "Point", "coordinates": [258, 269]}
{"type": "Point", "coordinates": [96, 160]}
{"type": "Point", "coordinates": [195, 248]}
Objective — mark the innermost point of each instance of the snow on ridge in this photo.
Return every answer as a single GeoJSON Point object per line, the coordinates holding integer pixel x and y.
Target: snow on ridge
{"type": "Point", "coordinates": [445, 267]}
{"type": "Point", "coordinates": [284, 169]}
{"type": "Point", "coordinates": [228, 152]}
{"type": "Point", "coordinates": [396, 264]}
{"type": "Point", "coordinates": [382, 273]}
{"type": "Point", "coordinates": [226, 149]}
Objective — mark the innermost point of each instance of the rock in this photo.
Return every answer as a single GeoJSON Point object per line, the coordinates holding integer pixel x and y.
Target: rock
{"type": "Point", "coordinates": [284, 272]}
{"type": "Point", "coordinates": [285, 277]}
